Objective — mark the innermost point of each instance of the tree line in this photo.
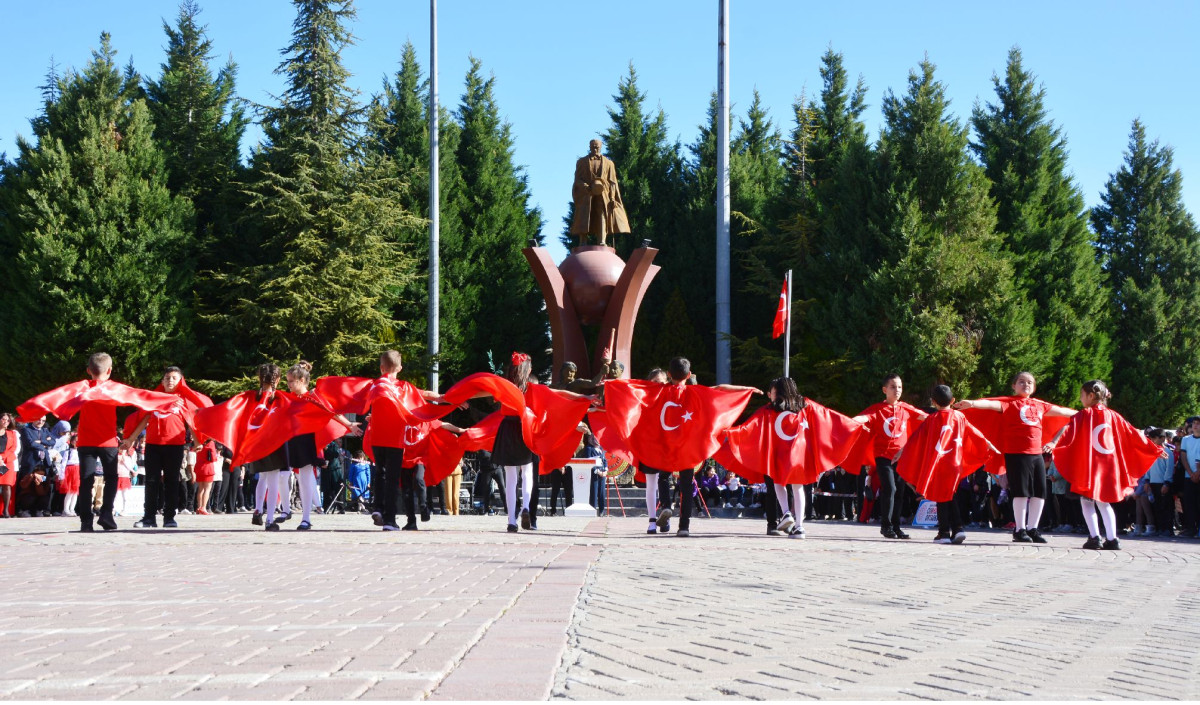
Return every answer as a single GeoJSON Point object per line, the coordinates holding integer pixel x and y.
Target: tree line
{"type": "Point", "coordinates": [946, 251]}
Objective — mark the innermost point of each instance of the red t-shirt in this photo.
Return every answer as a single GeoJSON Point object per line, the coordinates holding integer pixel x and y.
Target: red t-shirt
{"type": "Point", "coordinates": [891, 425]}
{"type": "Point", "coordinates": [1021, 425]}
{"type": "Point", "coordinates": [166, 429]}
{"type": "Point", "coordinates": [387, 426]}
{"type": "Point", "coordinates": [97, 426]}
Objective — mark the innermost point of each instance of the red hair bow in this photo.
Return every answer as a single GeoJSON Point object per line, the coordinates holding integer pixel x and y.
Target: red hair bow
{"type": "Point", "coordinates": [518, 358]}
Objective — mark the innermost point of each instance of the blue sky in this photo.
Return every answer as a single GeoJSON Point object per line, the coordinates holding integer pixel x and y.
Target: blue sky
{"type": "Point", "coordinates": [557, 63]}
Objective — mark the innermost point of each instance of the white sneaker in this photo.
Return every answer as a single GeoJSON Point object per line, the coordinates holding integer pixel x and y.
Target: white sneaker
{"type": "Point", "coordinates": [942, 540]}
{"type": "Point", "coordinates": [740, 506]}
{"type": "Point", "coordinates": [727, 505]}
{"type": "Point", "coordinates": [797, 532]}
{"type": "Point", "coordinates": [958, 538]}
{"type": "Point", "coordinates": [787, 522]}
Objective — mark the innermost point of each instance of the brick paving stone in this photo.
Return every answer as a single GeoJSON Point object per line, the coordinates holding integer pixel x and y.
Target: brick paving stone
{"type": "Point", "coordinates": [587, 609]}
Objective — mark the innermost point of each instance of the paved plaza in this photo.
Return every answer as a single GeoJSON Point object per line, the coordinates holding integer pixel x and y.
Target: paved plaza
{"type": "Point", "coordinates": [587, 609]}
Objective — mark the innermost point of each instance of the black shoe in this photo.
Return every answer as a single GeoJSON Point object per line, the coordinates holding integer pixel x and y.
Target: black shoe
{"type": "Point", "coordinates": [425, 514]}
{"type": "Point", "coordinates": [772, 532]}
{"type": "Point", "coordinates": [512, 528]}
{"type": "Point", "coordinates": [901, 535]}
{"type": "Point", "coordinates": [257, 519]}
{"type": "Point", "coordinates": [86, 529]}
{"type": "Point", "coordinates": [1111, 545]}
{"type": "Point", "coordinates": [525, 520]}
{"type": "Point", "coordinates": [1035, 536]}
{"type": "Point", "coordinates": [410, 526]}
{"type": "Point", "coordinates": [377, 518]}
{"type": "Point", "coordinates": [283, 517]}
{"type": "Point", "coordinates": [303, 526]}
{"type": "Point", "coordinates": [169, 524]}
{"type": "Point", "coordinates": [273, 526]}
{"type": "Point", "coordinates": [942, 536]}
{"type": "Point", "coordinates": [1021, 536]}
{"type": "Point", "coordinates": [888, 533]}
{"type": "Point", "coordinates": [107, 523]}
{"type": "Point", "coordinates": [145, 524]}
{"type": "Point", "coordinates": [1093, 543]}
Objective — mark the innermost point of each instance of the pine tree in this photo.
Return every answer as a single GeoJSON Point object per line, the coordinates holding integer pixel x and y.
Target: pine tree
{"type": "Point", "coordinates": [326, 223]}
{"type": "Point", "coordinates": [198, 125]}
{"type": "Point", "coordinates": [91, 239]}
{"type": "Point", "coordinates": [947, 309]}
{"type": "Point", "coordinates": [503, 308]}
{"type": "Point", "coordinates": [398, 130]}
{"type": "Point", "coordinates": [1150, 251]}
{"type": "Point", "coordinates": [1041, 216]}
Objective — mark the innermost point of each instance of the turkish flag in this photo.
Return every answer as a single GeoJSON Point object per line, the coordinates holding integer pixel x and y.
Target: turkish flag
{"type": "Point", "coordinates": [944, 449]}
{"type": "Point", "coordinates": [990, 424]}
{"type": "Point", "coordinates": [781, 313]}
{"type": "Point", "coordinates": [253, 429]}
{"type": "Point", "coordinates": [548, 425]}
{"type": "Point", "coordinates": [790, 447]}
{"type": "Point", "coordinates": [1102, 455]}
{"type": "Point", "coordinates": [66, 401]}
{"type": "Point", "coordinates": [671, 427]}
{"type": "Point", "coordinates": [192, 400]}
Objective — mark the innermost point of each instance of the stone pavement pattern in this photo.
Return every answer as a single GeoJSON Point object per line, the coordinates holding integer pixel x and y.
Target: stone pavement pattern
{"type": "Point", "coordinates": [463, 610]}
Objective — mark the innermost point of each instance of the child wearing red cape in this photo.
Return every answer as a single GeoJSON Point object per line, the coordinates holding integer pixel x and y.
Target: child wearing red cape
{"type": "Point", "coordinates": [96, 400]}
{"type": "Point", "coordinates": [944, 449]}
{"type": "Point", "coordinates": [889, 425]}
{"type": "Point", "coordinates": [1102, 456]}
{"type": "Point", "coordinates": [1022, 432]}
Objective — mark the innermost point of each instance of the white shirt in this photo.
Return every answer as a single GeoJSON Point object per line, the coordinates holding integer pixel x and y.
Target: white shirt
{"type": "Point", "coordinates": [1191, 446]}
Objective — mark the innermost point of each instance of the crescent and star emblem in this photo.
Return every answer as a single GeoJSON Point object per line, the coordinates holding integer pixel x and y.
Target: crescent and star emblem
{"type": "Point", "coordinates": [416, 431]}
{"type": "Point", "coordinates": [1097, 445]}
{"type": "Point", "coordinates": [1025, 419]}
{"type": "Point", "coordinates": [254, 416]}
{"type": "Point", "coordinates": [662, 416]}
{"type": "Point", "coordinates": [889, 427]}
{"type": "Point", "coordinates": [942, 434]}
{"type": "Point", "coordinates": [779, 427]}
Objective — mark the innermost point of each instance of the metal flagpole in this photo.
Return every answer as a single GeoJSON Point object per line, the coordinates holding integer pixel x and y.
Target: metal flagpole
{"type": "Point", "coordinates": [435, 205]}
{"type": "Point", "coordinates": [787, 332]}
{"type": "Point", "coordinates": [723, 327]}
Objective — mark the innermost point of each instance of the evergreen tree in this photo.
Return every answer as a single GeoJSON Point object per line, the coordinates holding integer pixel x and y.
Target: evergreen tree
{"type": "Point", "coordinates": [503, 308]}
{"type": "Point", "coordinates": [947, 306]}
{"type": "Point", "coordinates": [1150, 250]}
{"type": "Point", "coordinates": [198, 125]}
{"type": "Point", "coordinates": [398, 130]}
{"type": "Point", "coordinates": [326, 223]}
{"type": "Point", "coordinates": [1041, 216]}
{"type": "Point", "coordinates": [92, 242]}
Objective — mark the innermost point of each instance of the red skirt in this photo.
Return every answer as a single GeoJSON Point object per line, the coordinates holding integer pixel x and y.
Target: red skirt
{"type": "Point", "coordinates": [70, 480]}
{"type": "Point", "coordinates": [123, 483]}
{"type": "Point", "coordinates": [9, 478]}
{"type": "Point", "coordinates": [206, 473]}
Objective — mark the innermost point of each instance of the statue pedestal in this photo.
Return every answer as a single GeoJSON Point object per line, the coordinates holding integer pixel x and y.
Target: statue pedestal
{"type": "Point", "coordinates": [581, 477]}
{"type": "Point", "coordinates": [592, 287]}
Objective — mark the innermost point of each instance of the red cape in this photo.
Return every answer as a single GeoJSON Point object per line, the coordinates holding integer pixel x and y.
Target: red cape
{"type": "Point", "coordinates": [988, 423]}
{"type": "Point", "coordinates": [792, 448]}
{"type": "Point", "coordinates": [192, 399]}
{"type": "Point", "coordinates": [671, 427]}
{"type": "Point", "coordinates": [253, 430]}
{"type": "Point", "coordinates": [548, 422]}
{"type": "Point", "coordinates": [944, 449]}
{"type": "Point", "coordinates": [1102, 455]}
{"type": "Point", "coordinates": [863, 452]}
{"type": "Point", "coordinates": [66, 401]}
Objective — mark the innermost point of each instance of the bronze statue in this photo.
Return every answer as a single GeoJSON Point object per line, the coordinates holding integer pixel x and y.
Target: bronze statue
{"type": "Point", "coordinates": [598, 207]}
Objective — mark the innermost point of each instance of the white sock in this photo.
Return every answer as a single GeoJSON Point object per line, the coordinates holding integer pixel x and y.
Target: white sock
{"type": "Point", "coordinates": [1089, 516]}
{"type": "Point", "coordinates": [652, 495]}
{"type": "Point", "coordinates": [1110, 520]}
{"type": "Point", "coordinates": [270, 493]}
{"type": "Point", "coordinates": [781, 495]}
{"type": "Point", "coordinates": [285, 491]}
{"type": "Point", "coordinates": [69, 503]}
{"type": "Point", "coordinates": [798, 500]}
{"type": "Point", "coordinates": [308, 490]}
{"type": "Point", "coordinates": [510, 491]}
{"type": "Point", "coordinates": [527, 485]}
{"type": "Point", "coordinates": [260, 493]}
{"type": "Point", "coordinates": [1035, 512]}
{"type": "Point", "coordinates": [1019, 506]}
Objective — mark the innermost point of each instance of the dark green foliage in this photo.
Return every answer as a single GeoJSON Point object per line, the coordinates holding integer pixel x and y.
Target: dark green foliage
{"type": "Point", "coordinates": [1150, 250]}
{"type": "Point", "coordinates": [92, 243]}
{"type": "Point", "coordinates": [1041, 216]}
{"type": "Point", "coordinates": [503, 309]}
{"type": "Point", "coordinates": [326, 223]}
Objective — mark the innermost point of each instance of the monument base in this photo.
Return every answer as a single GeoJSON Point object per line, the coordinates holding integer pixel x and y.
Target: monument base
{"type": "Point", "coordinates": [581, 478]}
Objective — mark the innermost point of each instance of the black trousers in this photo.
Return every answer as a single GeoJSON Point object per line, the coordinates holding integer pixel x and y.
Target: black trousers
{"type": "Point", "coordinates": [560, 479]}
{"type": "Point", "coordinates": [685, 497]}
{"type": "Point", "coordinates": [389, 468]}
{"type": "Point", "coordinates": [771, 505]}
{"type": "Point", "coordinates": [1164, 507]}
{"type": "Point", "coordinates": [91, 461]}
{"type": "Point", "coordinates": [664, 489]}
{"type": "Point", "coordinates": [483, 487]}
{"type": "Point", "coordinates": [949, 520]}
{"type": "Point", "coordinates": [891, 494]}
{"type": "Point", "coordinates": [408, 491]}
{"type": "Point", "coordinates": [162, 480]}
{"type": "Point", "coordinates": [231, 484]}
{"type": "Point", "coordinates": [1191, 506]}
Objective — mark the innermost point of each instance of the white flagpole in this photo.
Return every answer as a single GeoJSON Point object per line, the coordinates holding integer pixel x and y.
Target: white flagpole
{"type": "Point", "coordinates": [434, 205]}
{"type": "Point", "coordinates": [787, 332]}
{"type": "Point", "coordinates": [723, 327]}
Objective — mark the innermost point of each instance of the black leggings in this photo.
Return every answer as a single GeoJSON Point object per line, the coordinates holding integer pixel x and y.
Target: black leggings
{"type": "Point", "coordinates": [1026, 475]}
{"type": "Point", "coordinates": [891, 494]}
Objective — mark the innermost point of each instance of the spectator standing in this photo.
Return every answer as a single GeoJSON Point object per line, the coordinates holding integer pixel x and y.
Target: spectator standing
{"type": "Point", "coordinates": [1159, 478]}
{"type": "Point", "coordinates": [1189, 454]}
{"type": "Point", "coordinates": [450, 487]}
{"type": "Point", "coordinates": [10, 451]}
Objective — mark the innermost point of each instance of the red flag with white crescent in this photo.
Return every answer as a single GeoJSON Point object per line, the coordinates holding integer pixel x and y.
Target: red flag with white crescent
{"type": "Point", "coordinates": [944, 449]}
{"type": "Point", "coordinates": [791, 447]}
{"type": "Point", "coordinates": [781, 313]}
{"type": "Point", "coordinates": [1102, 455]}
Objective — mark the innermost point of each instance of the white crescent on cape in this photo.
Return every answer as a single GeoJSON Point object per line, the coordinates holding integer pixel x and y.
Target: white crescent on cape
{"type": "Point", "coordinates": [1096, 444]}
{"type": "Point", "coordinates": [662, 416]}
{"type": "Point", "coordinates": [938, 446]}
{"type": "Point", "coordinates": [253, 427]}
{"type": "Point", "coordinates": [779, 427]}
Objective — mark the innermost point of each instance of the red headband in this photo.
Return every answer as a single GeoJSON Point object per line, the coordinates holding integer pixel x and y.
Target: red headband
{"type": "Point", "coordinates": [518, 358]}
